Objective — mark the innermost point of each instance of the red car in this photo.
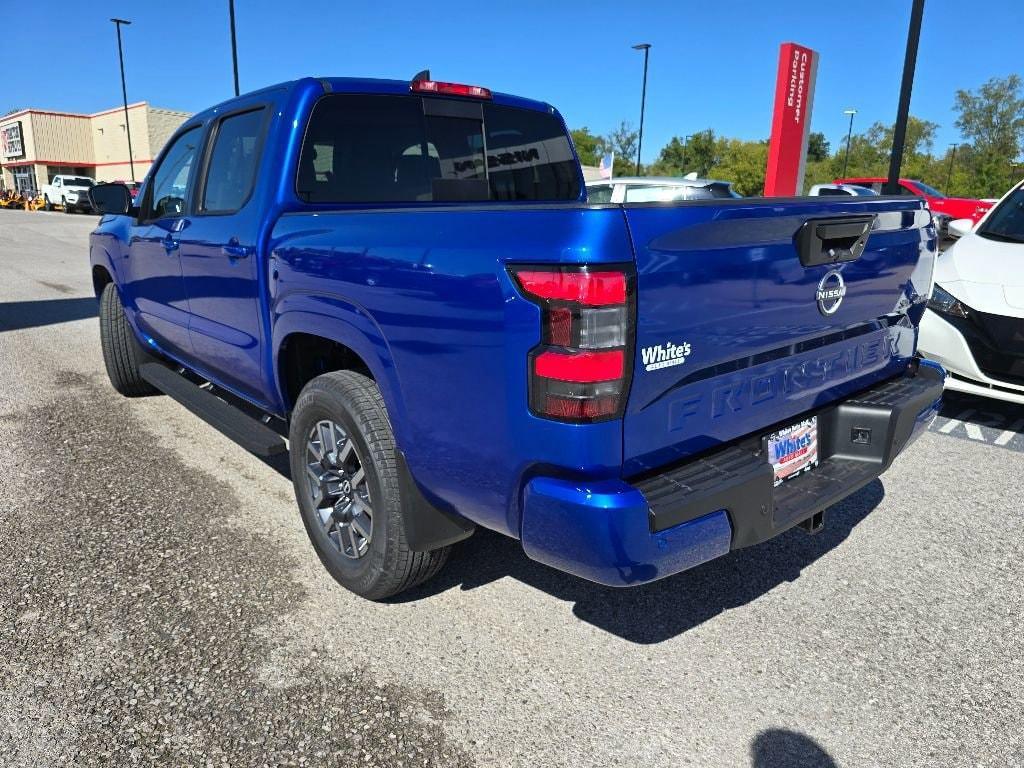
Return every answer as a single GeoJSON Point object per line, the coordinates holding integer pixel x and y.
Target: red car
{"type": "Point", "coordinates": [945, 209]}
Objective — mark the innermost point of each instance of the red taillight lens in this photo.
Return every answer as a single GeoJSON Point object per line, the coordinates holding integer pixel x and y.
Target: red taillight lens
{"type": "Point", "coordinates": [592, 289]}
{"type": "Point", "coordinates": [580, 371]}
{"type": "Point", "coordinates": [450, 89]}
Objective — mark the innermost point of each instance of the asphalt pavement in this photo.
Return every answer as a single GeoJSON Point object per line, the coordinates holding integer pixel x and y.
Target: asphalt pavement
{"type": "Point", "coordinates": [159, 602]}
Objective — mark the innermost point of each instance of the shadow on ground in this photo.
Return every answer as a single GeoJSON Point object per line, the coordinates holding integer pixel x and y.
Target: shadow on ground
{"type": "Point", "coordinates": [16, 315]}
{"type": "Point", "coordinates": [663, 609]}
{"type": "Point", "coordinates": [781, 748]}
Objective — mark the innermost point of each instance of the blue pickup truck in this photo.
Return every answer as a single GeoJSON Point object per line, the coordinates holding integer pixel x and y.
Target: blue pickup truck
{"type": "Point", "coordinates": [402, 285]}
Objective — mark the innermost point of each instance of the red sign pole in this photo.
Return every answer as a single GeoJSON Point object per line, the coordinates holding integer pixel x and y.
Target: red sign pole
{"type": "Point", "coordinates": [791, 120]}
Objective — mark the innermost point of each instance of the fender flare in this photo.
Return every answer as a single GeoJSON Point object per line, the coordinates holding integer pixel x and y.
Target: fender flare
{"type": "Point", "coordinates": [429, 524]}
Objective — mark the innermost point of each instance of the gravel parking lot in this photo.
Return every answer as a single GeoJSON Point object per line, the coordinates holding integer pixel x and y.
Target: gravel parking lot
{"type": "Point", "coordinates": [160, 602]}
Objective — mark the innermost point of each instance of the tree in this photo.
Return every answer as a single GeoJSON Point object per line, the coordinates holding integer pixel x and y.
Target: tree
{"type": "Point", "coordinates": [623, 142]}
{"type": "Point", "coordinates": [992, 120]}
{"type": "Point", "coordinates": [697, 153]}
{"type": "Point", "coordinates": [817, 147]}
{"type": "Point", "coordinates": [588, 146]}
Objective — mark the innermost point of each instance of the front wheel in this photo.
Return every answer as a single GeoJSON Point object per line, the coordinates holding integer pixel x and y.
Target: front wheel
{"type": "Point", "coordinates": [47, 205]}
{"type": "Point", "coordinates": [122, 353]}
{"type": "Point", "coordinates": [343, 467]}
{"type": "Point", "coordinates": [64, 204]}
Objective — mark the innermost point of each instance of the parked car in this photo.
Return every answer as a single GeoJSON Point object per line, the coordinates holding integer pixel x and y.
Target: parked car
{"type": "Point", "coordinates": [406, 278]}
{"type": "Point", "coordinates": [661, 189]}
{"type": "Point", "coordinates": [69, 192]}
{"type": "Point", "coordinates": [840, 190]}
{"type": "Point", "coordinates": [974, 324]}
{"type": "Point", "coordinates": [944, 209]}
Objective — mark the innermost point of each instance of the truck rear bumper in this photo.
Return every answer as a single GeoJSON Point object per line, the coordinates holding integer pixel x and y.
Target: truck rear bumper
{"type": "Point", "coordinates": [622, 534]}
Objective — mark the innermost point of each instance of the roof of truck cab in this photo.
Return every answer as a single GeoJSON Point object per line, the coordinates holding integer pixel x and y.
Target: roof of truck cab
{"type": "Point", "coordinates": [371, 85]}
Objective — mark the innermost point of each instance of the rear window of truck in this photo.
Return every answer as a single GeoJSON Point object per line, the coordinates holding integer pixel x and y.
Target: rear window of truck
{"type": "Point", "coordinates": [405, 149]}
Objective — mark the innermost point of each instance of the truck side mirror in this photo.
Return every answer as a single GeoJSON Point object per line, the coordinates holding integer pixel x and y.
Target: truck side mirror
{"type": "Point", "coordinates": [111, 198]}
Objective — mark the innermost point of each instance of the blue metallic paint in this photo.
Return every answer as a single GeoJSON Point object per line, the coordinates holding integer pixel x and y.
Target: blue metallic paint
{"type": "Point", "coordinates": [599, 530]}
{"type": "Point", "coordinates": [421, 293]}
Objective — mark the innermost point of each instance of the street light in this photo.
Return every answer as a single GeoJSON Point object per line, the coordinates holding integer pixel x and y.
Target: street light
{"type": "Point", "coordinates": [949, 171]}
{"type": "Point", "coordinates": [124, 94]}
{"type": "Point", "coordinates": [849, 134]}
{"type": "Point", "coordinates": [646, 48]}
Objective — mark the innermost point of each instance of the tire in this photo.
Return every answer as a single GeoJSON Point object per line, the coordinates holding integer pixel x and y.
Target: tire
{"type": "Point", "coordinates": [47, 205]}
{"type": "Point", "coordinates": [351, 403]}
{"type": "Point", "coordinates": [122, 353]}
{"type": "Point", "coordinates": [64, 204]}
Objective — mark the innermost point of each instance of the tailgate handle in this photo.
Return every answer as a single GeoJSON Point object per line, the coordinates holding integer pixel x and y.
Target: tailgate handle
{"type": "Point", "coordinates": [833, 240]}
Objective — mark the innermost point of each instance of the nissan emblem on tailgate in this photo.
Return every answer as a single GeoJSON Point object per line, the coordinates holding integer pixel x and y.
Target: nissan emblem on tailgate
{"type": "Point", "coordinates": [831, 291]}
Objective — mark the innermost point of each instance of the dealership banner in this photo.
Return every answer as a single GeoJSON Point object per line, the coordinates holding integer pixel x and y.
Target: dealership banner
{"type": "Point", "coordinates": [791, 120]}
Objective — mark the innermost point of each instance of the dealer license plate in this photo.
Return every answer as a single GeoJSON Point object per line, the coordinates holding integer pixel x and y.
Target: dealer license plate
{"type": "Point", "coordinates": [794, 450]}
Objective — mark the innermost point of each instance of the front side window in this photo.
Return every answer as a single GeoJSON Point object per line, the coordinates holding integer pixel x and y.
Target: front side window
{"type": "Point", "coordinates": [169, 190]}
{"type": "Point", "coordinates": [1006, 222]}
{"type": "Point", "coordinates": [233, 162]}
{"type": "Point", "coordinates": [391, 149]}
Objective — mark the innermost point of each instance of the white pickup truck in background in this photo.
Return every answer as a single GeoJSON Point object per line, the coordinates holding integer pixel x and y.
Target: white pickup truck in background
{"type": "Point", "coordinates": [69, 192]}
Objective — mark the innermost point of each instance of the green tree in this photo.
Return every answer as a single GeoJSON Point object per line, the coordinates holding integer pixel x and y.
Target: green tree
{"type": "Point", "coordinates": [697, 153]}
{"type": "Point", "coordinates": [992, 120]}
{"type": "Point", "coordinates": [743, 163]}
{"type": "Point", "coordinates": [623, 142]}
{"type": "Point", "coordinates": [588, 146]}
{"type": "Point", "coordinates": [817, 147]}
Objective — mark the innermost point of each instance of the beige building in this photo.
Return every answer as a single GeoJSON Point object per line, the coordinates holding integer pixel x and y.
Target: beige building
{"type": "Point", "coordinates": [36, 144]}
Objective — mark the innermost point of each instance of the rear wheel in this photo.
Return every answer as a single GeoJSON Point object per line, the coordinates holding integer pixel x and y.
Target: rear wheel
{"type": "Point", "coordinates": [122, 353]}
{"type": "Point", "coordinates": [346, 482]}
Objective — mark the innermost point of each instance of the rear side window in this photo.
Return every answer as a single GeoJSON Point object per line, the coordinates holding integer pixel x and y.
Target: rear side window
{"type": "Point", "coordinates": [233, 162]}
{"type": "Point", "coordinates": [390, 149]}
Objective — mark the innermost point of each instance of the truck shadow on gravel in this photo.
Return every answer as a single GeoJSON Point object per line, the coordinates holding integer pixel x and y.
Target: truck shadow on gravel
{"type": "Point", "coordinates": [782, 748]}
{"type": "Point", "coordinates": [659, 611]}
{"type": "Point", "coordinates": [17, 315]}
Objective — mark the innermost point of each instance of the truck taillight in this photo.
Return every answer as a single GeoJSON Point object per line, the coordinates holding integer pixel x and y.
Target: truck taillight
{"type": "Point", "coordinates": [580, 371]}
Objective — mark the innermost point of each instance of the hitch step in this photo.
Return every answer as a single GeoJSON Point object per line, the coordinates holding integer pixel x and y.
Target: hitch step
{"type": "Point", "coordinates": [222, 416]}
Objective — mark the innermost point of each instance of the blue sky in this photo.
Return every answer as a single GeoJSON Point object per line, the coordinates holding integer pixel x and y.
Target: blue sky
{"type": "Point", "coordinates": [712, 63]}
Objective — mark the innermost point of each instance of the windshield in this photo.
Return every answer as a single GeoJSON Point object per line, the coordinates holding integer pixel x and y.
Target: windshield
{"type": "Point", "coordinates": [1006, 222]}
{"type": "Point", "coordinates": [78, 181]}
{"type": "Point", "coordinates": [930, 191]}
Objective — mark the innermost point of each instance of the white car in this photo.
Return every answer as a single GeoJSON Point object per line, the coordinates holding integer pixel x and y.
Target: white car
{"type": "Point", "coordinates": [848, 190]}
{"type": "Point", "coordinates": [656, 189]}
{"type": "Point", "coordinates": [974, 324]}
{"type": "Point", "coordinates": [69, 192]}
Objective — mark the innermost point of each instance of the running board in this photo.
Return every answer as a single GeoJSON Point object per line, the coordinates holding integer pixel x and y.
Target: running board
{"type": "Point", "coordinates": [225, 418]}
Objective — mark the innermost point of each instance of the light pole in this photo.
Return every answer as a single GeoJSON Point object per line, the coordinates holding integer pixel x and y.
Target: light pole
{"type": "Point", "coordinates": [124, 95]}
{"type": "Point", "coordinates": [949, 171]}
{"type": "Point", "coordinates": [849, 135]}
{"type": "Point", "coordinates": [899, 129]}
{"type": "Point", "coordinates": [646, 48]}
{"type": "Point", "coordinates": [234, 45]}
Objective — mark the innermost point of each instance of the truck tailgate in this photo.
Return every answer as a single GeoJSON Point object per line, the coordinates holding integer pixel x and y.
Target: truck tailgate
{"type": "Point", "coordinates": [731, 336]}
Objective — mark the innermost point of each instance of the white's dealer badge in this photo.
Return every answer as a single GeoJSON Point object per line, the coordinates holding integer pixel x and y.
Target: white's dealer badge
{"type": "Point", "coordinates": [664, 355]}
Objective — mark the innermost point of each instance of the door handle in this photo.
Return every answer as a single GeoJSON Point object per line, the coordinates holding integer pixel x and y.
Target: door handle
{"type": "Point", "coordinates": [235, 250]}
